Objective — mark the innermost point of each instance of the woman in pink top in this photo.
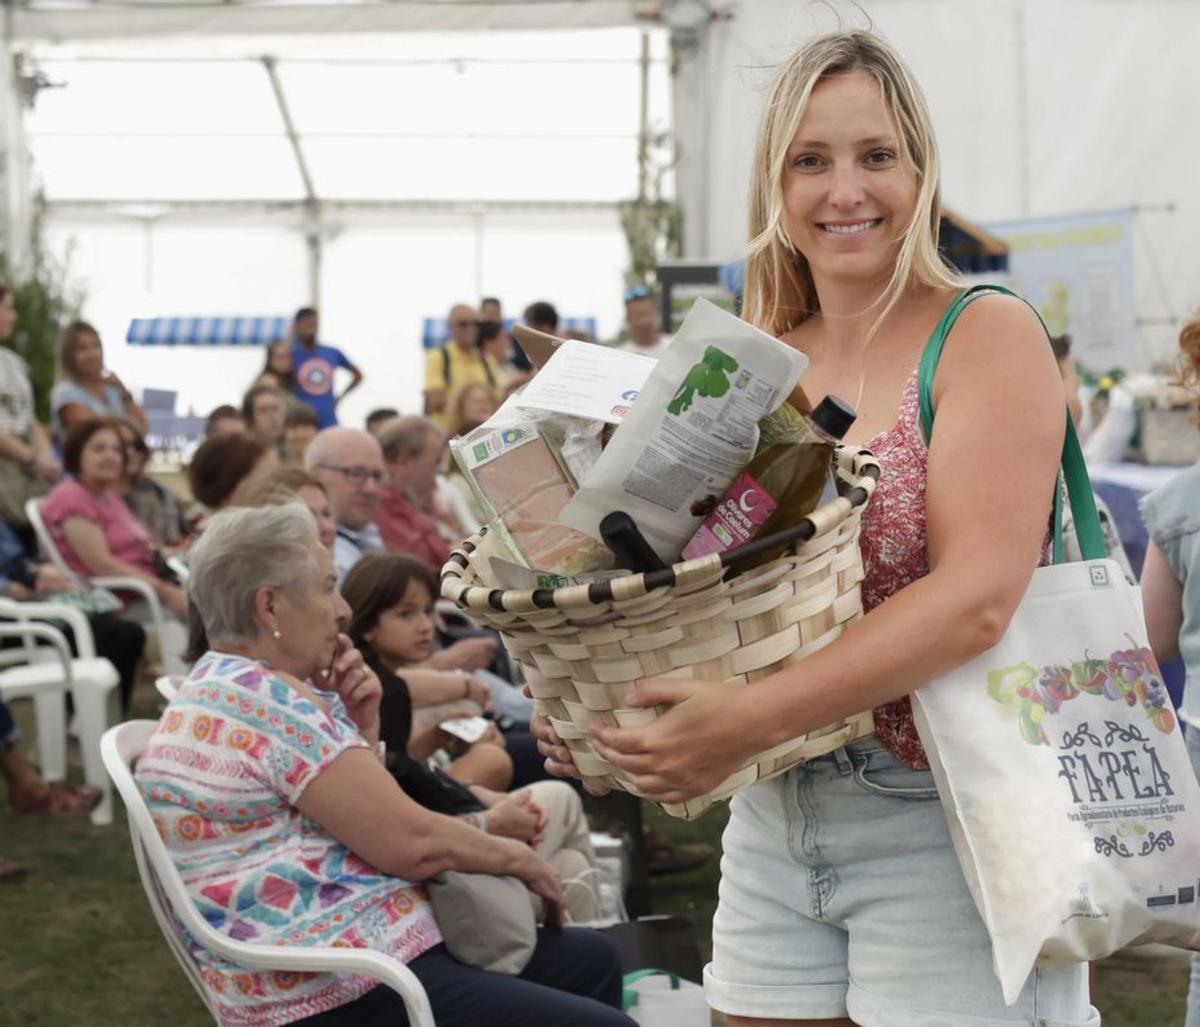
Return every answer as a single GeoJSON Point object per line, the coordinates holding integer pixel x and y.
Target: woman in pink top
{"type": "Point", "coordinates": [95, 531]}
{"type": "Point", "coordinates": [841, 899]}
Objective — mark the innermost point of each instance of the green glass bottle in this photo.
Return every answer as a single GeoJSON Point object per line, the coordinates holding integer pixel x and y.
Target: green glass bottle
{"type": "Point", "coordinates": [781, 486]}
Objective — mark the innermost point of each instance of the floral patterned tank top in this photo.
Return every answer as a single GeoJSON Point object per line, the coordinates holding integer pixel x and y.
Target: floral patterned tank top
{"type": "Point", "coordinates": [893, 543]}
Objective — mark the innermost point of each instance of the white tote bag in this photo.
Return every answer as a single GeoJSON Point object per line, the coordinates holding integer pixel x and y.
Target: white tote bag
{"type": "Point", "coordinates": [1061, 766]}
{"type": "Point", "coordinates": [656, 998]}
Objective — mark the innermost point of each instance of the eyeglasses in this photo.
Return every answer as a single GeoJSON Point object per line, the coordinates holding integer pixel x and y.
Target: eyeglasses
{"type": "Point", "coordinates": [464, 323]}
{"type": "Point", "coordinates": [359, 475]}
{"type": "Point", "coordinates": [637, 292]}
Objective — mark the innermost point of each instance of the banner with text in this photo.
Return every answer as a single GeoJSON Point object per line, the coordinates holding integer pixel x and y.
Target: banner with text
{"type": "Point", "coordinates": [1077, 269]}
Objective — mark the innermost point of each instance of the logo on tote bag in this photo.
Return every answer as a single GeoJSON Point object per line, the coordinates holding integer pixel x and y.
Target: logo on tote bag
{"type": "Point", "coordinates": [1109, 764]}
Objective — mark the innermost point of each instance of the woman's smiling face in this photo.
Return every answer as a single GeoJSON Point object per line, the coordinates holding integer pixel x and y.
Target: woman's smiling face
{"type": "Point", "coordinates": [848, 194]}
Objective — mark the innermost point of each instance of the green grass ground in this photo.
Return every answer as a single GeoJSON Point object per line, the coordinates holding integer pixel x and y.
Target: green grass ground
{"type": "Point", "coordinates": [78, 944]}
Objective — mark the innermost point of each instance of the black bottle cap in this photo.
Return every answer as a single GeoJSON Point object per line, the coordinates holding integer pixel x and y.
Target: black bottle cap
{"type": "Point", "coordinates": [834, 416]}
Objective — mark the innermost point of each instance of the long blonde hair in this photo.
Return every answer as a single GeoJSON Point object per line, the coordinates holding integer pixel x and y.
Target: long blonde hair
{"type": "Point", "coordinates": [779, 292]}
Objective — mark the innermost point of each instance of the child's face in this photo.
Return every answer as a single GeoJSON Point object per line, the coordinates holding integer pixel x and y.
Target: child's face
{"type": "Point", "coordinates": [405, 632]}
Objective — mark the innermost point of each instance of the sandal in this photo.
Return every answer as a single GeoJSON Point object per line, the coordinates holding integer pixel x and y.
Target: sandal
{"type": "Point", "coordinates": [59, 799]}
{"type": "Point", "coordinates": [10, 871]}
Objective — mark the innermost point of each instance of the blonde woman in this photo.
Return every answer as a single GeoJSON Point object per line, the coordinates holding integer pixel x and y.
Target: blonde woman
{"type": "Point", "coordinates": [841, 899]}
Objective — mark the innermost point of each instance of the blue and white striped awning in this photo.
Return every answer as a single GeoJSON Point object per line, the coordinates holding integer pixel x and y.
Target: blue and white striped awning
{"type": "Point", "coordinates": [435, 331]}
{"type": "Point", "coordinates": [207, 331]}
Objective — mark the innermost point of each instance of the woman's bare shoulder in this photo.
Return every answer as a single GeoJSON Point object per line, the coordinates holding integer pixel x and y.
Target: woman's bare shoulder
{"type": "Point", "coordinates": [998, 334]}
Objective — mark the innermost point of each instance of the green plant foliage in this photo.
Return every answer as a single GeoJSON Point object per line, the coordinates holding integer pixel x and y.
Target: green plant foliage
{"type": "Point", "coordinates": [45, 299]}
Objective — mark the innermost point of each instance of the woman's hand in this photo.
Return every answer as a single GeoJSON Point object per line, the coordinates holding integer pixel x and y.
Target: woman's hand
{"type": "Point", "coordinates": [479, 691]}
{"type": "Point", "coordinates": [708, 735]}
{"type": "Point", "coordinates": [516, 815]}
{"type": "Point", "coordinates": [540, 878]}
{"type": "Point", "coordinates": [47, 578]}
{"type": "Point", "coordinates": [465, 654]}
{"type": "Point", "coordinates": [356, 683]}
{"type": "Point", "coordinates": [110, 378]}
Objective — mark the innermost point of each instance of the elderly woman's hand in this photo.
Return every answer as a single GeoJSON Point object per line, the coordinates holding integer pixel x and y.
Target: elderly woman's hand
{"type": "Point", "coordinates": [357, 684]}
{"type": "Point", "coordinates": [516, 815]}
{"type": "Point", "coordinates": [541, 878]}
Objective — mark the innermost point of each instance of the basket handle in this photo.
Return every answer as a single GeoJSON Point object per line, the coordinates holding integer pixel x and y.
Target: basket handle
{"type": "Point", "coordinates": [602, 591]}
{"type": "Point", "coordinates": [801, 532]}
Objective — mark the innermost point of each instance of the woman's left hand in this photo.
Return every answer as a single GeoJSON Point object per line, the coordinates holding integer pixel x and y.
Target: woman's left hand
{"type": "Point", "coordinates": [688, 751]}
{"type": "Point", "coordinates": [356, 683]}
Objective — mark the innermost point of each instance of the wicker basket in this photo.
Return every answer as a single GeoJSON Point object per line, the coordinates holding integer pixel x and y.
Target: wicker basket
{"type": "Point", "coordinates": [1170, 435]}
{"type": "Point", "coordinates": [583, 646]}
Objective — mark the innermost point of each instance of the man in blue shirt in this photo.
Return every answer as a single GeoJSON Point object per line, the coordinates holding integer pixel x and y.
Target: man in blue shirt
{"type": "Point", "coordinates": [314, 366]}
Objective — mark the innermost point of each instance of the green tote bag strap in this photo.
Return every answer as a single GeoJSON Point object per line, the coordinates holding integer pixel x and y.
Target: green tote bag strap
{"type": "Point", "coordinates": [1074, 470]}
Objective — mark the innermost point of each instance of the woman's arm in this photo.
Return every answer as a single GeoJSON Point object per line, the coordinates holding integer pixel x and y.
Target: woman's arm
{"type": "Point", "coordinates": [357, 801]}
{"type": "Point", "coordinates": [72, 414]}
{"type": "Point", "coordinates": [431, 687]}
{"type": "Point", "coordinates": [16, 448]}
{"type": "Point", "coordinates": [1162, 601]}
{"type": "Point", "coordinates": [134, 415]}
{"type": "Point", "coordinates": [996, 444]}
{"type": "Point", "coordinates": [87, 539]}
{"type": "Point", "coordinates": [45, 464]}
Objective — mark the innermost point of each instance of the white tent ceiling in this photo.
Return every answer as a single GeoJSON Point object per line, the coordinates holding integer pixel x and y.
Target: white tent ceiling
{"type": "Point", "coordinates": [402, 170]}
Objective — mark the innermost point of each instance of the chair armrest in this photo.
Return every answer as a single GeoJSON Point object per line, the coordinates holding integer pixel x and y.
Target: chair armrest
{"type": "Point", "coordinates": [85, 644]}
{"type": "Point", "coordinates": [47, 633]}
{"type": "Point", "coordinates": [143, 588]}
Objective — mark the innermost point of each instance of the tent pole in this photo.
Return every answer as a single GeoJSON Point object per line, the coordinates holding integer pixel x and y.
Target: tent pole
{"type": "Point", "coordinates": [312, 202]}
{"type": "Point", "coordinates": [1025, 184]}
{"type": "Point", "coordinates": [14, 162]}
{"type": "Point", "coordinates": [643, 156]}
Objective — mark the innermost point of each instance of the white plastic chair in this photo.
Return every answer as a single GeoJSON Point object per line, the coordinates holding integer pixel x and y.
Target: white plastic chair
{"type": "Point", "coordinates": [171, 634]}
{"type": "Point", "coordinates": [167, 685]}
{"type": "Point", "coordinates": [92, 682]}
{"type": "Point", "coordinates": [168, 898]}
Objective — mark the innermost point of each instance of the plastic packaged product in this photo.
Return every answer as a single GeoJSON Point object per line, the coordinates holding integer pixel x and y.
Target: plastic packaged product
{"type": "Point", "coordinates": [691, 429]}
{"type": "Point", "coordinates": [523, 486]}
{"type": "Point", "coordinates": [783, 484]}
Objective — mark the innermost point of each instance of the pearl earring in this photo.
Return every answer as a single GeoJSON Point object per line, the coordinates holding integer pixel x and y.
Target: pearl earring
{"type": "Point", "coordinates": [275, 632]}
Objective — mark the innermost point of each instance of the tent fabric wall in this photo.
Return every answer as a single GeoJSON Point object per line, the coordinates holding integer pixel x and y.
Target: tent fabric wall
{"type": "Point", "coordinates": [1040, 107]}
{"type": "Point", "coordinates": [384, 274]}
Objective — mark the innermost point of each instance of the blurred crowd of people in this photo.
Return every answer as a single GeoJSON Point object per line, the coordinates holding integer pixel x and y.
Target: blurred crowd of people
{"type": "Point", "coordinates": [383, 502]}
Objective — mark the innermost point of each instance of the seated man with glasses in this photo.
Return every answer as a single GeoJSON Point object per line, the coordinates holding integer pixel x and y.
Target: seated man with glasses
{"type": "Point", "coordinates": [349, 463]}
{"type": "Point", "coordinates": [457, 364]}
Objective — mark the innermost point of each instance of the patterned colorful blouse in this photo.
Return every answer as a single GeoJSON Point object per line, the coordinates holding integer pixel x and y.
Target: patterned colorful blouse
{"type": "Point", "coordinates": [221, 776]}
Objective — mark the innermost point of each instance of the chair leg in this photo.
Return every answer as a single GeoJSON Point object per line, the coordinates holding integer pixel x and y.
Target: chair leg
{"type": "Point", "coordinates": [94, 699]}
{"type": "Point", "coordinates": [50, 709]}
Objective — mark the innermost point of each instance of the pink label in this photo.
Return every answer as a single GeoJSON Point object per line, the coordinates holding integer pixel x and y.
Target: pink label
{"type": "Point", "coordinates": [742, 512]}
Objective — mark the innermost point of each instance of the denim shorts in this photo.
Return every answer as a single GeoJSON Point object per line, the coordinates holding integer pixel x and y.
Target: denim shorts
{"type": "Point", "coordinates": [841, 896]}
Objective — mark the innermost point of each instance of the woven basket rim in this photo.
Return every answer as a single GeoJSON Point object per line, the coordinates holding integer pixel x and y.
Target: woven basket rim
{"type": "Point", "coordinates": [835, 513]}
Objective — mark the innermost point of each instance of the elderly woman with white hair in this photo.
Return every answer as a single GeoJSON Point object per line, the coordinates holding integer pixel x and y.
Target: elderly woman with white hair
{"type": "Point", "coordinates": [264, 779]}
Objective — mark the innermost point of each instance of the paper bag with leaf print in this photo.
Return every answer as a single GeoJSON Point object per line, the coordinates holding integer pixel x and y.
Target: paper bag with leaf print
{"type": "Point", "coordinates": [1061, 765]}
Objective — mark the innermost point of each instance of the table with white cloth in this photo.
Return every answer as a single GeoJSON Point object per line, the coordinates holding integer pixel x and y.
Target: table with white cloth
{"type": "Point", "coordinates": [1122, 486]}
